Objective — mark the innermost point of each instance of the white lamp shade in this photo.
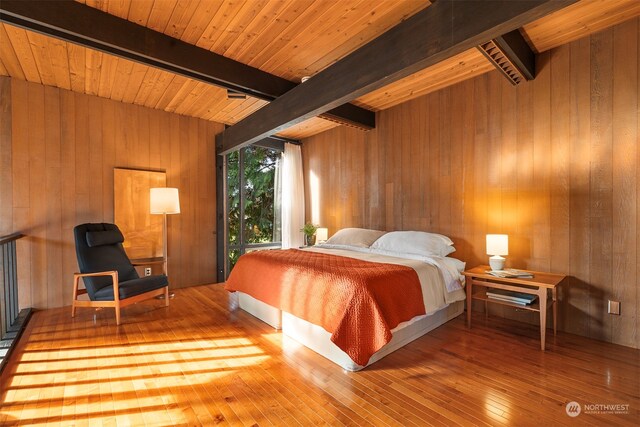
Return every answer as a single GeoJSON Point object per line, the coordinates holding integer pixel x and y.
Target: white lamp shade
{"type": "Point", "coordinates": [497, 244]}
{"type": "Point", "coordinates": [164, 200]}
{"type": "Point", "coordinates": [322, 234]}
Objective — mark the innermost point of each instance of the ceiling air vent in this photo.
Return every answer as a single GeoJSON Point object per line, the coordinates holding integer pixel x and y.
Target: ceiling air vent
{"type": "Point", "coordinates": [511, 54]}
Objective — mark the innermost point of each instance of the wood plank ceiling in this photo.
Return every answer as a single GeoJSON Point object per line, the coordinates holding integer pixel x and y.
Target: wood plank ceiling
{"type": "Point", "coordinates": [291, 39]}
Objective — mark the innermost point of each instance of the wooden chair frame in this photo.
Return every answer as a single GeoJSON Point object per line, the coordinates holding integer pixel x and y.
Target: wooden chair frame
{"type": "Point", "coordinates": [117, 303]}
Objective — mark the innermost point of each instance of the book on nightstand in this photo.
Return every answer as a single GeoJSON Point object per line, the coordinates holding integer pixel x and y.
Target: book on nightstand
{"type": "Point", "coordinates": [514, 297]}
{"type": "Point", "coordinates": [510, 273]}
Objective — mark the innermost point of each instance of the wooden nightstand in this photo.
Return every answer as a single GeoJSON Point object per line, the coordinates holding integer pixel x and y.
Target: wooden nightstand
{"type": "Point", "coordinates": [539, 285]}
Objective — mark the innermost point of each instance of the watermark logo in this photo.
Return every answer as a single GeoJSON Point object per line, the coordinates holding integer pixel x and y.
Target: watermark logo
{"type": "Point", "coordinates": [573, 409]}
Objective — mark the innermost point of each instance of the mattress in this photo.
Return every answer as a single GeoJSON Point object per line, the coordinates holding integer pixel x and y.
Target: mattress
{"type": "Point", "coordinates": [317, 339]}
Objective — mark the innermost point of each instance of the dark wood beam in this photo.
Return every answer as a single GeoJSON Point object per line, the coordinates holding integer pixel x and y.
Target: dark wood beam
{"type": "Point", "coordinates": [80, 24]}
{"type": "Point", "coordinates": [442, 30]}
{"type": "Point", "coordinates": [512, 56]}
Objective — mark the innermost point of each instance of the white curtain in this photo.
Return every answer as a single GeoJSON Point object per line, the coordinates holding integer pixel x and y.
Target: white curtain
{"type": "Point", "coordinates": [292, 197]}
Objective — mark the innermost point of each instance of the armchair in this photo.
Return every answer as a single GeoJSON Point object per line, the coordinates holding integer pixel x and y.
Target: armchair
{"type": "Point", "coordinates": [109, 277]}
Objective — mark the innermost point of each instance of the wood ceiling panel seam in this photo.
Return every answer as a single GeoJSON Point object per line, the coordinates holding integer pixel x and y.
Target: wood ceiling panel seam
{"type": "Point", "coordinates": [180, 18]}
{"type": "Point", "coordinates": [108, 75]}
{"type": "Point", "coordinates": [159, 15]}
{"type": "Point", "coordinates": [243, 109]}
{"type": "Point", "coordinates": [291, 51]}
{"type": "Point", "coordinates": [258, 52]}
{"type": "Point", "coordinates": [38, 45]}
{"type": "Point", "coordinates": [241, 47]}
{"type": "Point", "coordinates": [200, 21]}
{"type": "Point", "coordinates": [155, 81]}
{"type": "Point", "coordinates": [119, 8]}
{"type": "Point", "coordinates": [211, 99]}
{"type": "Point", "coordinates": [170, 92]}
{"type": "Point", "coordinates": [138, 71]}
{"type": "Point", "coordinates": [60, 62]}
{"type": "Point", "coordinates": [24, 54]}
{"type": "Point", "coordinates": [361, 32]}
{"type": "Point", "coordinates": [249, 106]}
{"type": "Point", "coordinates": [192, 97]}
{"type": "Point", "coordinates": [93, 61]}
{"type": "Point", "coordinates": [467, 74]}
{"type": "Point", "coordinates": [123, 71]}
{"type": "Point", "coordinates": [222, 19]}
{"type": "Point", "coordinates": [149, 80]}
{"type": "Point", "coordinates": [237, 27]}
{"type": "Point", "coordinates": [159, 88]}
{"type": "Point", "coordinates": [180, 96]}
{"type": "Point", "coordinates": [77, 67]}
{"type": "Point", "coordinates": [7, 51]}
{"type": "Point", "coordinates": [139, 12]}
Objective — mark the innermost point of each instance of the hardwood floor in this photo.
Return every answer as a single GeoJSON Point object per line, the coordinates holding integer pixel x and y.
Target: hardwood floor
{"type": "Point", "coordinates": [202, 361]}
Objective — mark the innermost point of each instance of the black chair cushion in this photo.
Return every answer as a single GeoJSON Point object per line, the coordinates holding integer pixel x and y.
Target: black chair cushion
{"type": "Point", "coordinates": [105, 257]}
{"type": "Point", "coordinates": [133, 287]}
{"type": "Point", "coordinates": [100, 238]}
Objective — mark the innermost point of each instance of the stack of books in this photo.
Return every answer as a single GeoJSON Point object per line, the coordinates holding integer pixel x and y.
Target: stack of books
{"type": "Point", "coordinates": [514, 297]}
{"type": "Point", "coordinates": [510, 273]}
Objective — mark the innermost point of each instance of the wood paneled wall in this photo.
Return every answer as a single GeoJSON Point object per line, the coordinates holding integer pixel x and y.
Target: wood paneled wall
{"type": "Point", "coordinates": [57, 158]}
{"type": "Point", "coordinates": [554, 163]}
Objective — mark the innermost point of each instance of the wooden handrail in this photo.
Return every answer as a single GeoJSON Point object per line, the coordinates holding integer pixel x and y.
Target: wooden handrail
{"type": "Point", "coordinates": [11, 238]}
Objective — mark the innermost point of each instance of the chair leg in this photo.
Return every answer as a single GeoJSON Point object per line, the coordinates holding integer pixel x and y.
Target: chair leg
{"type": "Point", "coordinates": [166, 296]}
{"type": "Point", "coordinates": [117, 307]}
{"type": "Point", "coordinates": [75, 295]}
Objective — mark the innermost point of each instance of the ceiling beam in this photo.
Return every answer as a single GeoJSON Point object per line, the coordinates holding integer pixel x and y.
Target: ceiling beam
{"type": "Point", "coordinates": [440, 31]}
{"type": "Point", "coordinates": [80, 24]}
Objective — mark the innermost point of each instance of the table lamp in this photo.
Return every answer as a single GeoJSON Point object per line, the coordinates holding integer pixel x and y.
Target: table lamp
{"type": "Point", "coordinates": [322, 234]}
{"type": "Point", "coordinates": [497, 245]}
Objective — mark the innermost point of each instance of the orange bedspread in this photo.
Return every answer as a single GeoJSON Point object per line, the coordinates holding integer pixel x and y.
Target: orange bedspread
{"type": "Point", "coordinates": [358, 302]}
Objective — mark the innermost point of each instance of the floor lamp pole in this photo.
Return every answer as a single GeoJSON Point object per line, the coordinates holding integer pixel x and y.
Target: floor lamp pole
{"type": "Point", "coordinates": [165, 249]}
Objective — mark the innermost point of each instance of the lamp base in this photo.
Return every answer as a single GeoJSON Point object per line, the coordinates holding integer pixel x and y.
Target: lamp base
{"type": "Point", "coordinates": [496, 262]}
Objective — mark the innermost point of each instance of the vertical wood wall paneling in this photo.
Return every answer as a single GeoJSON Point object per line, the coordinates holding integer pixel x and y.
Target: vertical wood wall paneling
{"type": "Point", "coordinates": [554, 163]}
{"type": "Point", "coordinates": [624, 281]}
{"type": "Point", "coordinates": [61, 148]}
{"type": "Point", "coordinates": [601, 230]}
{"type": "Point", "coordinates": [559, 161]}
{"type": "Point", "coordinates": [6, 180]}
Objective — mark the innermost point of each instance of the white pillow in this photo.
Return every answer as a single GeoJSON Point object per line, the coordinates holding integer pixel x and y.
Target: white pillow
{"type": "Point", "coordinates": [358, 237]}
{"type": "Point", "coordinates": [414, 242]}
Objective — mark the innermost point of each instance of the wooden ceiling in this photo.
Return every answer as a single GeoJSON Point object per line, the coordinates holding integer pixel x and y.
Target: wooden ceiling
{"type": "Point", "coordinates": [288, 38]}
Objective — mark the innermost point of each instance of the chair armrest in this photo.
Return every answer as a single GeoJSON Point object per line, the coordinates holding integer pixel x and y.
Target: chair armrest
{"type": "Point", "coordinates": [99, 273]}
{"type": "Point", "coordinates": [112, 273]}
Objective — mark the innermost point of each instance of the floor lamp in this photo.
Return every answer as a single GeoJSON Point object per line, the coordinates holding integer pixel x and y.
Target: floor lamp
{"type": "Point", "coordinates": [164, 201]}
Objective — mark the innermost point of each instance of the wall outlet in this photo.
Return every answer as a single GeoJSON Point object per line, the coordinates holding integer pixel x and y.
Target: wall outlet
{"type": "Point", "coordinates": [147, 271]}
{"type": "Point", "coordinates": [614, 307]}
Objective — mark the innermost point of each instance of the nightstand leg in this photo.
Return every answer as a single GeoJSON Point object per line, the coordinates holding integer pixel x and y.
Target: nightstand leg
{"type": "Point", "coordinates": [542, 295]}
{"type": "Point", "coordinates": [469, 285]}
{"type": "Point", "coordinates": [555, 311]}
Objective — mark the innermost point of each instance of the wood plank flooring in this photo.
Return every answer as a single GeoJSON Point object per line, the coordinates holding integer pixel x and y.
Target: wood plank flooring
{"type": "Point", "coordinates": [202, 361]}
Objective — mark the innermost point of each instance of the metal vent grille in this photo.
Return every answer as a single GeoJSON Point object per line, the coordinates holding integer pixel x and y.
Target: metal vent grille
{"type": "Point", "coordinates": [493, 52]}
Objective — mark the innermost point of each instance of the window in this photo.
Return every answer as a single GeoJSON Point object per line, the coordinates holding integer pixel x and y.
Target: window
{"type": "Point", "coordinates": [253, 201]}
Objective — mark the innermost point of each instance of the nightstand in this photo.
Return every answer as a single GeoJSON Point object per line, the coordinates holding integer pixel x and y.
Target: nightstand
{"type": "Point", "coordinates": [540, 285]}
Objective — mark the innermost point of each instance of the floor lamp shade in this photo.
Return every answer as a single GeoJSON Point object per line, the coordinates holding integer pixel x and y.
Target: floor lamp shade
{"type": "Point", "coordinates": [164, 200]}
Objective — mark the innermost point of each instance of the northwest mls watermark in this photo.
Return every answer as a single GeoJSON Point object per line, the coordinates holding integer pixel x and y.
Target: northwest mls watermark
{"type": "Point", "coordinates": [574, 409]}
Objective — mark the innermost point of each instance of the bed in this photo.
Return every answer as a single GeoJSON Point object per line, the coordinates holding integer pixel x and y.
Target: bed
{"type": "Point", "coordinates": [357, 298]}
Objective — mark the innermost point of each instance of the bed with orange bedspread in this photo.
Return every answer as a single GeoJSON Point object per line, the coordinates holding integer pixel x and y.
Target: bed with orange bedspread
{"type": "Point", "coordinates": [358, 302]}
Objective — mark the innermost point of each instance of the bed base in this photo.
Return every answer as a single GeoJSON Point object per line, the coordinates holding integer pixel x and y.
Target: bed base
{"type": "Point", "coordinates": [318, 340]}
